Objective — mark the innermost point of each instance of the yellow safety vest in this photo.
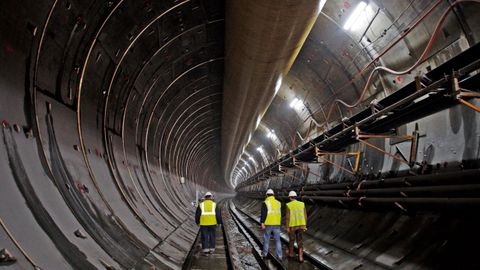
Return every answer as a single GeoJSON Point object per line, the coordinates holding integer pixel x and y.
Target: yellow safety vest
{"type": "Point", "coordinates": [274, 214]}
{"type": "Point", "coordinates": [297, 213]}
{"type": "Point", "coordinates": [208, 216]}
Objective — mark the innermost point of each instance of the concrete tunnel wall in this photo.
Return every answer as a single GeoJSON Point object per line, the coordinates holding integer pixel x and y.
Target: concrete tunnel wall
{"type": "Point", "coordinates": [160, 63]}
{"type": "Point", "coordinates": [106, 106]}
{"type": "Point", "coordinates": [390, 235]}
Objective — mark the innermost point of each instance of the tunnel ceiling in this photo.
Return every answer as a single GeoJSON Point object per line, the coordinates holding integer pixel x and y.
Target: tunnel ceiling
{"type": "Point", "coordinates": [153, 73]}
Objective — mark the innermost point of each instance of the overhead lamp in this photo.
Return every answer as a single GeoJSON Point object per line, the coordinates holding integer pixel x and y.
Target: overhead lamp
{"type": "Point", "coordinates": [278, 84]}
{"type": "Point", "coordinates": [296, 104]}
{"type": "Point", "coordinates": [359, 9]}
{"type": "Point", "coordinates": [321, 5]}
{"type": "Point", "coordinates": [270, 133]}
{"type": "Point", "coordinates": [260, 149]}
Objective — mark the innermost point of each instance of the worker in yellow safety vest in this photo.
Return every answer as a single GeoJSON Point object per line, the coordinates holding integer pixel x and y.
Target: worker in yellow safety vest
{"type": "Point", "coordinates": [296, 221]}
{"type": "Point", "coordinates": [271, 219]}
{"type": "Point", "coordinates": [207, 216]}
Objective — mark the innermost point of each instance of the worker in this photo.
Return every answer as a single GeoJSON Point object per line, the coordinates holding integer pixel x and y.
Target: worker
{"type": "Point", "coordinates": [296, 223]}
{"type": "Point", "coordinates": [270, 219]}
{"type": "Point", "coordinates": [208, 216]}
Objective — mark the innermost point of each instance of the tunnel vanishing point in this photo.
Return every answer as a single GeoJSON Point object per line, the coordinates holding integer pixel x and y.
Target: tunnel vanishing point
{"type": "Point", "coordinates": [118, 115]}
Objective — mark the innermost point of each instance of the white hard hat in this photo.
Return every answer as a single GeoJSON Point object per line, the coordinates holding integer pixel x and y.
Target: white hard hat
{"type": "Point", "coordinates": [292, 194]}
{"type": "Point", "coordinates": [270, 191]}
{"type": "Point", "coordinates": [208, 194]}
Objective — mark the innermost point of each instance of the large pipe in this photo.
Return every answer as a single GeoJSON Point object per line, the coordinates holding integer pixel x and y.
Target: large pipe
{"type": "Point", "coordinates": [423, 191]}
{"type": "Point", "coordinates": [263, 39]}
{"type": "Point", "coordinates": [453, 177]}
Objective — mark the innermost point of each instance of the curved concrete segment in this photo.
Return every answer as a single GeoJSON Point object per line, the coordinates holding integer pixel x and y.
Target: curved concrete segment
{"type": "Point", "coordinates": [116, 117]}
{"type": "Point", "coordinates": [110, 117]}
{"type": "Point", "coordinates": [262, 40]}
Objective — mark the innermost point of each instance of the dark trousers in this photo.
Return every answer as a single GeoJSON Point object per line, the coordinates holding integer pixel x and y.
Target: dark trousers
{"type": "Point", "coordinates": [295, 234]}
{"type": "Point", "coordinates": [207, 236]}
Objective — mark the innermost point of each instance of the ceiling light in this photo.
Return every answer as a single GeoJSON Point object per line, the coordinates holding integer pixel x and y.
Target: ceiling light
{"type": "Point", "coordinates": [271, 135]}
{"type": "Point", "coordinates": [296, 104]}
{"type": "Point", "coordinates": [260, 149]}
{"type": "Point", "coordinates": [278, 84]}
{"type": "Point", "coordinates": [355, 15]}
{"type": "Point", "coordinates": [321, 5]}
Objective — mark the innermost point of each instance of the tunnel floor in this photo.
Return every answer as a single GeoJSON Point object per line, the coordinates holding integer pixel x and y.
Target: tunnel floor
{"type": "Point", "coordinates": [368, 246]}
{"type": "Point", "coordinates": [239, 242]}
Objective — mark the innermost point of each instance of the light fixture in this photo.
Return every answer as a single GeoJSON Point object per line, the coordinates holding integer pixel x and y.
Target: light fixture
{"type": "Point", "coordinates": [278, 84]}
{"type": "Point", "coordinates": [355, 15]}
{"type": "Point", "coordinates": [293, 103]}
{"type": "Point", "coordinates": [321, 5]}
{"type": "Point", "coordinates": [296, 104]}
{"type": "Point", "coordinates": [270, 133]}
{"type": "Point", "coordinates": [260, 149]}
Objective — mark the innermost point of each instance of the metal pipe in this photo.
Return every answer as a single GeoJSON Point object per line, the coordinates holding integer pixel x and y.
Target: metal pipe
{"type": "Point", "coordinates": [456, 177]}
{"type": "Point", "coordinates": [397, 202]}
{"type": "Point", "coordinates": [404, 191]}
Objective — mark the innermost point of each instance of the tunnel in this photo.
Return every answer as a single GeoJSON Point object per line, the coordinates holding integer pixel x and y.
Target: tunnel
{"type": "Point", "coordinates": [117, 116]}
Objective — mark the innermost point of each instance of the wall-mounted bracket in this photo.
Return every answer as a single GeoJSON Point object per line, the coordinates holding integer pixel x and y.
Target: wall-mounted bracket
{"type": "Point", "coordinates": [461, 94]}
{"type": "Point", "coordinates": [360, 136]}
{"type": "Point", "coordinates": [320, 157]}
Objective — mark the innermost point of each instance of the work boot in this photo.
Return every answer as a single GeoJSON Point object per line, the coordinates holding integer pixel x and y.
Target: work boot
{"type": "Point", "coordinates": [300, 255]}
{"type": "Point", "coordinates": [291, 252]}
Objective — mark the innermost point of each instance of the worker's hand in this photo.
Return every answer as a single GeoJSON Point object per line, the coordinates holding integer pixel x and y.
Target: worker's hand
{"type": "Point", "coordinates": [289, 230]}
{"type": "Point", "coordinates": [262, 226]}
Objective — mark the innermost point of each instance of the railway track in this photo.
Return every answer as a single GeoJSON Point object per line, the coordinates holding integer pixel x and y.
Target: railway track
{"type": "Point", "coordinates": [219, 259]}
{"type": "Point", "coordinates": [239, 246]}
{"type": "Point", "coordinates": [252, 228]}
